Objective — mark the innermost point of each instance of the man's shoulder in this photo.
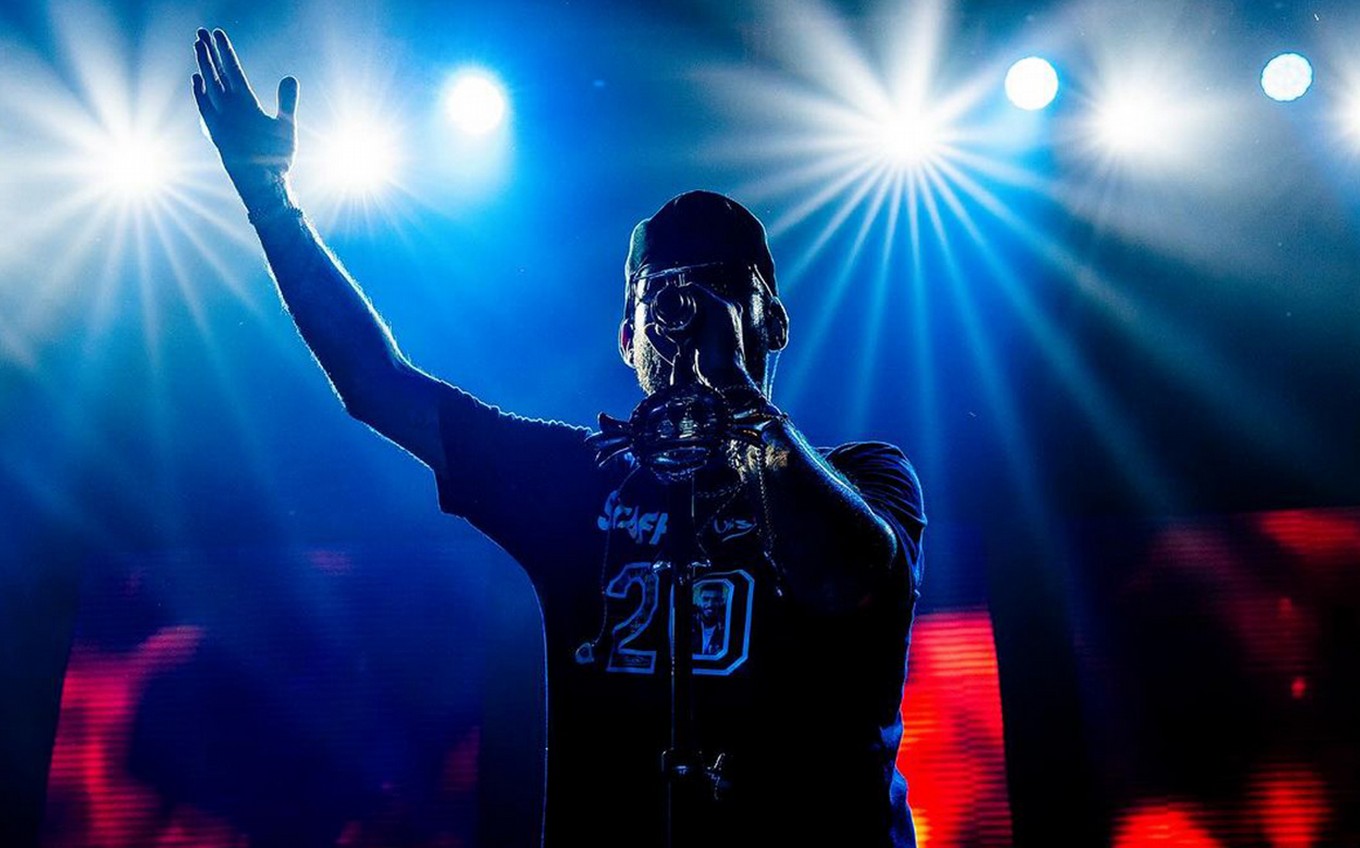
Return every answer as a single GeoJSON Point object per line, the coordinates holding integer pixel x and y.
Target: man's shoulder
{"type": "Point", "coordinates": [854, 458]}
{"type": "Point", "coordinates": [880, 471]}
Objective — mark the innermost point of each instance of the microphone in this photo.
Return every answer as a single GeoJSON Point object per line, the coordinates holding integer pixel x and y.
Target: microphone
{"type": "Point", "coordinates": [674, 310]}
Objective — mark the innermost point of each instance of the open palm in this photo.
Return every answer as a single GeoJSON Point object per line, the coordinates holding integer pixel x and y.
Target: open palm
{"type": "Point", "coordinates": [251, 143]}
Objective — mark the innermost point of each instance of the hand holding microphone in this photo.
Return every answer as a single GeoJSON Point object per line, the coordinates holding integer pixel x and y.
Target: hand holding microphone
{"type": "Point", "coordinates": [696, 322]}
{"type": "Point", "coordinates": [694, 318]}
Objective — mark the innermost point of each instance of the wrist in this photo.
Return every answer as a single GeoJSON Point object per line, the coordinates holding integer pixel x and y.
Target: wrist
{"type": "Point", "coordinates": [268, 198]}
{"type": "Point", "coordinates": [743, 394]}
{"type": "Point", "coordinates": [749, 407]}
{"type": "Point", "coordinates": [733, 378]}
{"type": "Point", "coordinates": [262, 191]}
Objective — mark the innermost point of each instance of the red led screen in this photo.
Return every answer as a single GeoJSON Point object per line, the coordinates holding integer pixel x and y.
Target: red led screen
{"type": "Point", "coordinates": [1215, 662]}
{"type": "Point", "coordinates": [1219, 658]}
{"type": "Point", "coordinates": [156, 745]}
{"type": "Point", "coordinates": [952, 753]}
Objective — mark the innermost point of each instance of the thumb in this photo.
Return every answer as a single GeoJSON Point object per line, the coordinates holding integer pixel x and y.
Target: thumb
{"type": "Point", "coordinates": [288, 98]}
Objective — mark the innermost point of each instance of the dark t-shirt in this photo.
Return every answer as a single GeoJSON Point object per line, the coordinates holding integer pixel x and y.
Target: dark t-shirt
{"type": "Point", "coordinates": [803, 702]}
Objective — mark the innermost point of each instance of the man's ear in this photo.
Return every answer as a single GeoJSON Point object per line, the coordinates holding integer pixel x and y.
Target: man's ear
{"type": "Point", "coordinates": [776, 326]}
{"type": "Point", "coordinates": [626, 341]}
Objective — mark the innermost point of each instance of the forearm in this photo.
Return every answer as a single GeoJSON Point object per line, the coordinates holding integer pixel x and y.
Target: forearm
{"type": "Point", "coordinates": [335, 319]}
{"type": "Point", "coordinates": [831, 546]}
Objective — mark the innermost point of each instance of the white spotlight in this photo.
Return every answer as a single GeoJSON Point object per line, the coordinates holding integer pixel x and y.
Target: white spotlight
{"type": "Point", "coordinates": [1286, 77]}
{"type": "Point", "coordinates": [1133, 122]}
{"type": "Point", "coordinates": [359, 158]}
{"type": "Point", "coordinates": [134, 167]}
{"type": "Point", "coordinates": [475, 102]}
{"type": "Point", "coordinates": [1031, 83]}
{"type": "Point", "coordinates": [909, 140]}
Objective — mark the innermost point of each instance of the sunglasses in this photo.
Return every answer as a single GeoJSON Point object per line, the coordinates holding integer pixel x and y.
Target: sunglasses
{"type": "Point", "coordinates": [723, 279]}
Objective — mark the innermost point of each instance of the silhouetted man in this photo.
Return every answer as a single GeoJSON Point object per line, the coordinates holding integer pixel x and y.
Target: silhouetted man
{"type": "Point", "coordinates": [816, 551]}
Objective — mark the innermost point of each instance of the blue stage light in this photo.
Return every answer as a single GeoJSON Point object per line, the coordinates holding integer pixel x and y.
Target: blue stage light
{"type": "Point", "coordinates": [475, 102]}
{"type": "Point", "coordinates": [1286, 77]}
{"type": "Point", "coordinates": [1031, 83]}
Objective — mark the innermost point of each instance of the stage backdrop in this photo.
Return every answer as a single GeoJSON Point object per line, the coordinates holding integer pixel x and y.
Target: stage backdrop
{"type": "Point", "coordinates": [394, 698]}
{"type": "Point", "coordinates": [1218, 660]}
{"type": "Point", "coordinates": [383, 698]}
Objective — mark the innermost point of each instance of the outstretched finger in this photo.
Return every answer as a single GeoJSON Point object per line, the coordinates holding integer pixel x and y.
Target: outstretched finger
{"type": "Point", "coordinates": [206, 69]}
{"type": "Point", "coordinates": [205, 107]}
{"type": "Point", "coordinates": [231, 66]}
{"type": "Point", "coordinates": [288, 98]}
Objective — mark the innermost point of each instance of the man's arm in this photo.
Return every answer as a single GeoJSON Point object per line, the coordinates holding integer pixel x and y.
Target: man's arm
{"type": "Point", "coordinates": [837, 538]}
{"type": "Point", "coordinates": [373, 379]}
{"type": "Point", "coordinates": [835, 542]}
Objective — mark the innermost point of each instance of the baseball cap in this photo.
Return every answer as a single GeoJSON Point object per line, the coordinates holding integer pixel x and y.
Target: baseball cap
{"type": "Point", "coordinates": [697, 228]}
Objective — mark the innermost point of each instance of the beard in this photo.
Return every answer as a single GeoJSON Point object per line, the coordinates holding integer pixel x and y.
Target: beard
{"type": "Point", "coordinates": [654, 371]}
{"type": "Point", "coordinates": [654, 364]}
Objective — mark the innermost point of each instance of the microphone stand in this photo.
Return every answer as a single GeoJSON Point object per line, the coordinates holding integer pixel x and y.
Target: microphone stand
{"type": "Point", "coordinates": [681, 762]}
{"type": "Point", "coordinates": [687, 777]}
{"type": "Point", "coordinates": [691, 423]}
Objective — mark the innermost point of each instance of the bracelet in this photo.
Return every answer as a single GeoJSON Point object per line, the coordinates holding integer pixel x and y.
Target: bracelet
{"type": "Point", "coordinates": [750, 403]}
{"type": "Point", "coordinates": [266, 199]}
{"type": "Point", "coordinates": [260, 217]}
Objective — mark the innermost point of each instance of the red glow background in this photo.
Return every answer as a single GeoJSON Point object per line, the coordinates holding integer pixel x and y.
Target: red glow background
{"type": "Point", "coordinates": [1264, 607]}
{"type": "Point", "coordinates": [1216, 658]}
{"type": "Point", "coordinates": [951, 754]}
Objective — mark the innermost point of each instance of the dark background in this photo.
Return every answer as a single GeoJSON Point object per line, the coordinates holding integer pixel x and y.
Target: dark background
{"type": "Point", "coordinates": [1119, 345]}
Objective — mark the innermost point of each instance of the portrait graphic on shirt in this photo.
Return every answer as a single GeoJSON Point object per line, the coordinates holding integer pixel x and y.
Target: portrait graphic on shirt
{"type": "Point", "coordinates": [708, 635]}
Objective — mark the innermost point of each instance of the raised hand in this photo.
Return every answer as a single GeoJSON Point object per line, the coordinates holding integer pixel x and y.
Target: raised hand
{"type": "Point", "coordinates": [254, 147]}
